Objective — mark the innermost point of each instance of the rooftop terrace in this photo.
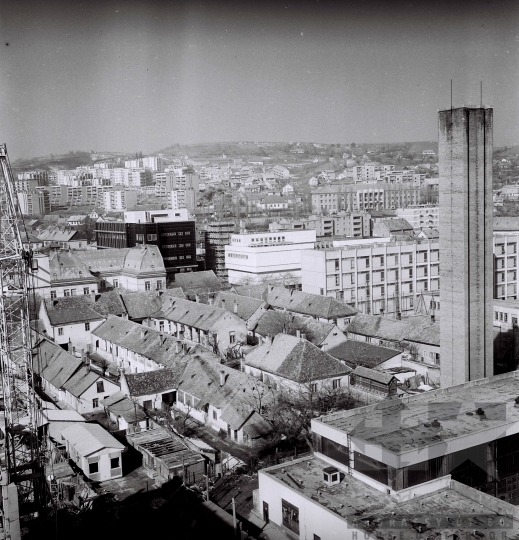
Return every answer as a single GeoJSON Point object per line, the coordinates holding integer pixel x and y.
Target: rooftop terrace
{"type": "Point", "coordinates": [407, 424]}
{"type": "Point", "coordinates": [375, 512]}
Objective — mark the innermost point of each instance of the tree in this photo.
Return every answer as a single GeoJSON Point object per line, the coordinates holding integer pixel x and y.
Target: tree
{"type": "Point", "coordinates": [88, 229]}
{"type": "Point", "coordinates": [294, 409]}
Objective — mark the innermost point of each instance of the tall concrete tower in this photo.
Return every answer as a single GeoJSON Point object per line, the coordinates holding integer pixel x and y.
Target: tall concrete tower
{"type": "Point", "coordinates": [466, 259]}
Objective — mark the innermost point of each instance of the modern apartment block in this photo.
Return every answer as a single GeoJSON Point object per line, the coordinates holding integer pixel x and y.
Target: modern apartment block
{"type": "Point", "coordinates": [182, 198]}
{"type": "Point", "coordinates": [170, 230]}
{"type": "Point", "coordinates": [78, 196]}
{"type": "Point", "coordinates": [442, 464]}
{"type": "Point", "coordinates": [217, 236]}
{"type": "Point", "coordinates": [34, 202]}
{"type": "Point", "coordinates": [421, 216]}
{"type": "Point", "coordinates": [354, 224]}
{"type": "Point", "coordinates": [376, 278]}
{"type": "Point", "coordinates": [362, 197]}
{"type": "Point", "coordinates": [505, 266]}
{"type": "Point", "coordinates": [153, 163]}
{"type": "Point", "coordinates": [253, 256]}
{"type": "Point", "coordinates": [465, 169]}
{"type": "Point", "coordinates": [177, 179]}
{"type": "Point", "coordinates": [118, 200]}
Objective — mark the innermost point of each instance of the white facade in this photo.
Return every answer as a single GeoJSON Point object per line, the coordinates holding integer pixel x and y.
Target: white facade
{"type": "Point", "coordinates": [156, 216]}
{"type": "Point", "coordinates": [373, 277]}
{"type": "Point", "coordinates": [272, 254]}
{"type": "Point", "coordinates": [183, 198]}
{"type": "Point", "coordinates": [119, 200]}
{"type": "Point", "coordinates": [420, 216]}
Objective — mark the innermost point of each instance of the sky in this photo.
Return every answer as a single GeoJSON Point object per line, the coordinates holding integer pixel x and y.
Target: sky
{"type": "Point", "coordinates": [139, 76]}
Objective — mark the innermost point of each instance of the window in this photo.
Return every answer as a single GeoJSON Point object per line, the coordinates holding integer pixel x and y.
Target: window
{"type": "Point", "coordinates": [215, 415]}
{"type": "Point", "coordinates": [100, 387]}
{"type": "Point", "coordinates": [500, 315]}
{"type": "Point", "coordinates": [161, 326]}
{"type": "Point", "coordinates": [114, 463]}
{"type": "Point", "coordinates": [95, 403]}
{"type": "Point", "coordinates": [53, 294]}
{"type": "Point", "coordinates": [159, 284]}
{"type": "Point", "coordinates": [66, 292]}
{"type": "Point", "coordinates": [496, 315]}
{"type": "Point", "coordinates": [147, 285]}
{"type": "Point", "coordinates": [336, 265]}
{"type": "Point", "coordinates": [93, 468]}
{"type": "Point", "coordinates": [232, 337]}
{"type": "Point", "coordinates": [337, 280]}
{"type": "Point", "coordinates": [313, 387]}
{"type": "Point", "coordinates": [72, 292]}
{"type": "Point", "coordinates": [152, 237]}
{"type": "Point", "coordinates": [336, 384]}
{"type": "Point", "coordinates": [87, 326]}
{"type": "Point", "coordinates": [86, 290]}
{"type": "Point", "coordinates": [506, 317]}
{"type": "Point", "coordinates": [410, 272]}
{"type": "Point", "coordinates": [60, 331]}
{"type": "Point", "coordinates": [139, 238]}
{"type": "Point", "coordinates": [290, 516]}
{"type": "Point", "coordinates": [116, 283]}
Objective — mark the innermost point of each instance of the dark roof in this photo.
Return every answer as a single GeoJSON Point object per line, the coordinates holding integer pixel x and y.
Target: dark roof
{"type": "Point", "coordinates": [242, 306]}
{"type": "Point", "coordinates": [373, 374]}
{"type": "Point", "coordinates": [307, 304]}
{"type": "Point", "coordinates": [198, 282]}
{"type": "Point", "coordinates": [124, 407]}
{"type": "Point", "coordinates": [397, 224]}
{"type": "Point", "coordinates": [71, 309]}
{"type": "Point", "coordinates": [421, 329]}
{"type": "Point", "coordinates": [280, 322]}
{"type": "Point", "coordinates": [252, 291]}
{"type": "Point", "coordinates": [359, 353]}
{"type": "Point", "coordinates": [295, 359]}
{"type": "Point", "coordinates": [140, 305]}
{"type": "Point", "coordinates": [152, 382]}
{"type": "Point", "coordinates": [109, 303]}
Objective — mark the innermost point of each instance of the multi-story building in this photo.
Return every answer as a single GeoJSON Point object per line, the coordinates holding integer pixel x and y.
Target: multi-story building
{"type": "Point", "coordinates": [505, 266]}
{"type": "Point", "coordinates": [179, 178]}
{"type": "Point", "coordinates": [36, 202]}
{"type": "Point", "coordinates": [254, 256]}
{"type": "Point", "coordinates": [153, 163]}
{"type": "Point", "coordinates": [382, 277]}
{"type": "Point", "coordinates": [182, 198]}
{"type": "Point", "coordinates": [78, 196]}
{"type": "Point", "coordinates": [118, 200]}
{"type": "Point", "coordinates": [42, 177]}
{"type": "Point", "coordinates": [356, 224]}
{"type": "Point", "coordinates": [421, 216]}
{"type": "Point", "coordinates": [362, 197]}
{"type": "Point", "coordinates": [280, 172]}
{"type": "Point", "coordinates": [170, 230]}
{"type": "Point", "coordinates": [26, 184]}
{"type": "Point", "coordinates": [217, 236]}
{"type": "Point", "coordinates": [465, 167]}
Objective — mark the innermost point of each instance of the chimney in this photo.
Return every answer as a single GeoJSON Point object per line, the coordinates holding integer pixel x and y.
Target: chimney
{"type": "Point", "coordinates": [242, 367]}
{"type": "Point", "coordinates": [398, 316]}
{"type": "Point", "coordinates": [433, 317]}
{"type": "Point", "coordinates": [268, 340]}
{"type": "Point", "coordinates": [143, 333]}
{"type": "Point", "coordinates": [303, 336]}
{"type": "Point", "coordinates": [298, 333]}
{"type": "Point", "coordinates": [197, 298]}
{"type": "Point", "coordinates": [235, 308]}
{"type": "Point", "coordinates": [177, 347]}
{"type": "Point", "coordinates": [211, 301]}
{"type": "Point", "coordinates": [223, 303]}
{"type": "Point", "coordinates": [222, 377]}
{"type": "Point", "coordinates": [82, 351]}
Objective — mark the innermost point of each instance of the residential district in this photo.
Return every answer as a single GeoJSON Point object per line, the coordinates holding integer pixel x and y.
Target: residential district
{"type": "Point", "coordinates": [279, 341]}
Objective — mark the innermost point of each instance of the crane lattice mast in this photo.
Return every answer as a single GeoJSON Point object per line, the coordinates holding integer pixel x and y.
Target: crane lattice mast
{"type": "Point", "coordinates": [22, 453]}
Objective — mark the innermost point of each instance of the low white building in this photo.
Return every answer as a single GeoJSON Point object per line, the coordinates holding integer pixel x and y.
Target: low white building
{"type": "Point", "coordinates": [94, 451]}
{"type": "Point", "coordinates": [254, 256]}
{"type": "Point", "coordinates": [420, 216]}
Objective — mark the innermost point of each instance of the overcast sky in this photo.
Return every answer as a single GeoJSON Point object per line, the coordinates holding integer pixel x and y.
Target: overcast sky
{"type": "Point", "coordinates": [129, 76]}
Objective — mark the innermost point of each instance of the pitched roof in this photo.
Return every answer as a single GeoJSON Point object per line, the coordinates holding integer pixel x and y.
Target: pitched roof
{"type": "Point", "coordinates": [198, 282]}
{"type": "Point", "coordinates": [64, 265]}
{"type": "Point", "coordinates": [81, 381]}
{"type": "Point", "coordinates": [141, 304]}
{"type": "Point", "coordinates": [243, 306]}
{"type": "Point", "coordinates": [54, 364]}
{"type": "Point", "coordinates": [196, 314]}
{"type": "Point", "coordinates": [146, 258]}
{"type": "Point", "coordinates": [278, 322]}
{"type": "Point", "coordinates": [307, 304]}
{"type": "Point", "coordinates": [71, 309]}
{"type": "Point", "coordinates": [104, 260]}
{"type": "Point", "coordinates": [295, 359]}
{"type": "Point", "coordinates": [252, 291]}
{"type": "Point", "coordinates": [421, 329]}
{"type": "Point", "coordinates": [397, 224]}
{"type": "Point", "coordinates": [373, 374]}
{"type": "Point", "coordinates": [124, 407]}
{"type": "Point", "coordinates": [359, 353]}
{"type": "Point", "coordinates": [152, 382]}
{"type": "Point", "coordinates": [90, 438]}
{"type": "Point", "coordinates": [57, 234]}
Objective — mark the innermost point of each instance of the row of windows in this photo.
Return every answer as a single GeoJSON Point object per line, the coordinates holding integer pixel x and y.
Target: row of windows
{"type": "Point", "coordinates": [70, 292]}
{"type": "Point", "coordinates": [237, 256]}
{"type": "Point", "coordinates": [179, 233]}
{"type": "Point", "coordinates": [269, 239]}
{"type": "Point", "coordinates": [174, 258]}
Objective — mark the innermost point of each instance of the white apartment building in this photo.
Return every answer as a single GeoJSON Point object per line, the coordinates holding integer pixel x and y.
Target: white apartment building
{"type": "Point", "coordinates": [420, 216]}
{"type": "Point", "coordinates": [149, 162]}
{"type": "Point", "coordinates": [505, 266]}
{"type": "Point", "coordinates": [119, 200]}
{"type": "Point", "coordinates": [179, 178]}
{"type": "Point", "coordinates": [182, 198]}
{"type": "Point", "coordinates": [156, 216]}
{"type": "Point", "coordinates": [254, 256]}
{"type": "Point", "coordinates": [381, 277]}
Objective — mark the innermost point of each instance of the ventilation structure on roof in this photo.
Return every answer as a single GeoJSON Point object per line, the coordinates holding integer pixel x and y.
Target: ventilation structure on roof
{"type": "Point", "coordinates": [331, 476]}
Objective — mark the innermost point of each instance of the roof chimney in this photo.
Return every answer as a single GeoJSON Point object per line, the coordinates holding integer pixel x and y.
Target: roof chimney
{"type": "Point", "coordinates": [222, 377]}
{"type": "Point", "coordinates": [143, 333]}
{"type": "Point", "coordinates": [177, 347]}
{"type": "Point", "coordinates": [268, 340]}
{"type": "Point", "coordinates": [211, 301]}
{"type": "Point", "coordinates": [235, 308]}
{"type": "Point", "coordinates": [303, 336]}
{"type": "Point", "coordinates": [197, 298]}
{"type": "Point", "coordinates": [298, 333]}
{"type": "Point", "coordinates": [223, 303]}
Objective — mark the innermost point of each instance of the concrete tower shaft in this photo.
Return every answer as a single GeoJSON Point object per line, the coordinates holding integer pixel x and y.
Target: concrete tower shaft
{"type": "Point", "coordinates": [466, 259]}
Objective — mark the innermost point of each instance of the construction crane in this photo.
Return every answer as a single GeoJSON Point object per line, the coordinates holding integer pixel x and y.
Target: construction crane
{"type": "Point", "coordinates": [21, 464]}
